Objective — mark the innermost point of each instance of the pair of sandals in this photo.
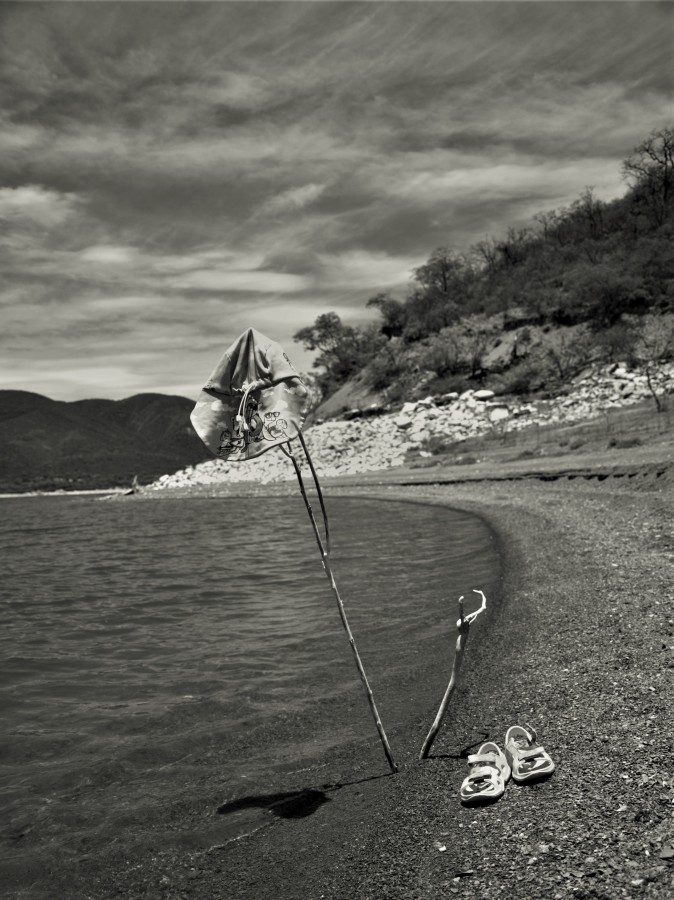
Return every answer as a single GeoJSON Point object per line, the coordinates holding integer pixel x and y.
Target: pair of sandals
{"type": "Point", "coordinates": [490, 768]}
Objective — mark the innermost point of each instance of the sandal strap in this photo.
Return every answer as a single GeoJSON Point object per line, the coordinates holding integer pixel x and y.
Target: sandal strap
{"type": "Point", "coordinates": [481, 774]}
{"type": "Point", "coordinates": [532, 732]}
{"type": "Point", "coordinates": [531, 753]}
{"type": "Point", "coordinates": [490, 758]}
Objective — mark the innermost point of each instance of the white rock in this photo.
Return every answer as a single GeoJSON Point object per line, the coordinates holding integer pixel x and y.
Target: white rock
{"type": "Point", "coordinates": [418, 436]}
{"type": "Point", "coordinates": [426, 403]}
{"type": "Point", "coordinates": [484, 395]}
{"type": "Point", "coordinates": [498, 413]}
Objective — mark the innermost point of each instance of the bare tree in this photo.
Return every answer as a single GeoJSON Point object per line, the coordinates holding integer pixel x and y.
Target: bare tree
{"type": "Point", "coordinates": [488, 250]}
{"type": "Point", "coordinates": [568, 354]}
{"type": "Point", "coordinates": [548, 221]}
{"type": "Point", "coordinates": [476, 341]}
{"type": "Point", "coordinates": [651, 168]}
{"type": "Point", "coordinates": [513, 248]}
{"type": "Point", "coordinates": [654, 348]}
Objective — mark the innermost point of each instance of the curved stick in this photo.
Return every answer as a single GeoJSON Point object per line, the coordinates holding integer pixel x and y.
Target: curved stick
{"type": "Point", "coordinates": [463, 626]}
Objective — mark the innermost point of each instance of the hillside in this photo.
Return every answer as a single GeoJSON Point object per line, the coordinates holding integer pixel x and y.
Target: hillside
{"type": "Point", "coordinates": [608, 412]}
{"type": "Point", "coordinates": [49, 444]}
{"type": "Point", "coordinates": [525, 312]}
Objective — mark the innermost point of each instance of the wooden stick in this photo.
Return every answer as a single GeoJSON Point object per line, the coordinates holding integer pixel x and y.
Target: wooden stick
{"type": "Point", "coordinates": [463, 626]}
{"type": "Point", "coordinates": [345, 623]}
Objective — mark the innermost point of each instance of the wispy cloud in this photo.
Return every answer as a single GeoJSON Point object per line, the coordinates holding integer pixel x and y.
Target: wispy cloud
{"type": "Point", "coordinates": [171, 173]}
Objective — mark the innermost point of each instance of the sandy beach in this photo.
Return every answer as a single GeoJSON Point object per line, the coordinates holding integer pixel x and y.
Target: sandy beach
{"type": "Point", "coordinates": [578, 643]}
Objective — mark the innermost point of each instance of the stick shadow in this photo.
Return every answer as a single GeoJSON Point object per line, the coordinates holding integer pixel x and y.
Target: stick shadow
{"type": "Point", "coordinates": [290, 804]}
{"type": "Point", "coordinates": [284, 804]}
{"type": "Point", "coordinates": [465, 751]}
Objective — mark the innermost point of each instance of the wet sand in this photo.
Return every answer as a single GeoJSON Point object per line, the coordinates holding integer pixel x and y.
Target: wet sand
{"type": "Point", "coordinates": [578, 644]}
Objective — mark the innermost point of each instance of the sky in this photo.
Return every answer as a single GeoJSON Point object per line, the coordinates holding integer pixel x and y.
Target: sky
{"type": "Point", "coordinates": [172, 173]}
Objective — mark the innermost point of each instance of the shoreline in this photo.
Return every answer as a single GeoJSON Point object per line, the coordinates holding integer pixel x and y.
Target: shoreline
{"type": "Point", "coordinates": [569, 653]}
{"type": "Point", "coordinates": [76, 493]}
{"type": "Point", "coordinates": [580, 645]}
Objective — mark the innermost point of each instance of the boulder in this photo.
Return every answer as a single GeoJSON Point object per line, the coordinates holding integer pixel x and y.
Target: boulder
{"type": "Point", "coordinates": [498, 413]}
{"type": "Point", "coordinates": [444, 399]}
{"type": "Point", "coordinates": [426, 403]}
{"type": "Point", "coordinates": [416, 437]}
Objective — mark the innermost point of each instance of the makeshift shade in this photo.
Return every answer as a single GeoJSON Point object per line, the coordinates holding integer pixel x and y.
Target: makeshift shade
{"type": "Point", "coordinates": [253, 401]}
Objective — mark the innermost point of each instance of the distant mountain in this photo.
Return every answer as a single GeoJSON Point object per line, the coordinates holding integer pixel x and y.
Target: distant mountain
{"type": "Point", "coordinates": [49, 444]}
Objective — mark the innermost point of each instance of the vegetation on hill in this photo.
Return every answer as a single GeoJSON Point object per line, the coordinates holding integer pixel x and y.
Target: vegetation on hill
{"type": "Point", "coordinates": [590, 282]}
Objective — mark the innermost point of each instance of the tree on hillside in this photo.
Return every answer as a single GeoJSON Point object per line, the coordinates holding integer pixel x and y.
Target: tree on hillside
{"type": "Point", "coordinates": [616, 343]}
{"type": "Point", "coordinates": [391, 370]}
{"type": "Point", "coordinates": [441, 287]}
{"type": "Point", "coordinates": [584, 222]}
{"type": "Point", "coordinates": [601, 294]}
{"type": "Point", "coordinates": [392, 312]}
{"type": "Point", "coordinates": [488, 251]}
{"type": "Point", "coordinates": [651, 169]}
{"type": "Point", "coordinates": [513, 248]}
{"type": "Point", "coordinates": [593, 263]}
{"type": "Point", "coordinates": [547, 221]}
{"type": "Point", "coordinates": [343, 350]}
{"type": "Point", "coordinates": [476, 341]}
{"type": "Point", "coordinates": [568, 354]}
{"type": "Point", "coordinates": [438, 274]}
{"type": "Point", "coordinates": [654, 348]}
{"type": "Point", "coordinates": [459, 348]}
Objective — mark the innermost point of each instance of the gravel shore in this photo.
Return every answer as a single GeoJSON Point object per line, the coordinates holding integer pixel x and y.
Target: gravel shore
{"type": "Point", "coordinates": [579, 645]}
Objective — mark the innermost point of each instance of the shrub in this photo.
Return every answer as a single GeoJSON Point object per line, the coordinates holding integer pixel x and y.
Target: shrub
{"type": "Point", "coordinates": [625, 443]}
{"type": "Point", "coordinates": [523, 379]}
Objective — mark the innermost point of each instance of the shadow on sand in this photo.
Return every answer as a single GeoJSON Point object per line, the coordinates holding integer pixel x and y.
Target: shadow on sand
{"type": "Point", "coordinates": [291, 804]}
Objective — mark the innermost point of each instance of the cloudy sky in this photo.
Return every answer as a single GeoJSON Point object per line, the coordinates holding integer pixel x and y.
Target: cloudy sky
{"type": "Point", "coordinates": [172, 173]}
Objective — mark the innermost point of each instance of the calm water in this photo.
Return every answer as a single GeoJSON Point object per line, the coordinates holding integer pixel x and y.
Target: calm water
{"type": "Point", "coordinates": [128, 627]}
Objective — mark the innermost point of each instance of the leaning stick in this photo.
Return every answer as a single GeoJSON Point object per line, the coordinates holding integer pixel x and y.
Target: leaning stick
{"type": "Point", "coordinates": [463, 626]}
{"type": "Point", "coordinates": [345, 623]}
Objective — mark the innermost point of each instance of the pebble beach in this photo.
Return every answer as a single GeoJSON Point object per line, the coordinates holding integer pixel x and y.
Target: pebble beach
{"type": "Point", "coordinates": [584, 653]}
{"type": "Point", "coordinates": [579, 644]}
{"type": "Point", "coordinates": [577, 641]}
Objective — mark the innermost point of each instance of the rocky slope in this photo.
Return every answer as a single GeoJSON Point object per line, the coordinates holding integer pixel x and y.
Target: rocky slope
{"type": "Point", "coordinates": [368, 442]}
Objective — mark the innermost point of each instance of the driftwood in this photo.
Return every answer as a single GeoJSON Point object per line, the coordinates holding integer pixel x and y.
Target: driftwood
{"type": "Point", "coordinates": [463, 626]}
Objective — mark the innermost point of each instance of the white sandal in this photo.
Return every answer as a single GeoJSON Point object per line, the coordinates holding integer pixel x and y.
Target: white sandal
{"type": "Point", "coordinates": [486, 780]}
{"type": "Point", "coordinates": [528, 760]}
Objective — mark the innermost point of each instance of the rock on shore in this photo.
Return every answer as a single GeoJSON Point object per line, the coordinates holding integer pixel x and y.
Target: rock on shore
{"type": "Point", "coordinates": [366, 444]}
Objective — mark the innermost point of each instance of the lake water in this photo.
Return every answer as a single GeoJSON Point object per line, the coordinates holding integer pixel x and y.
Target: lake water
{"type": "Point", "coordinates": [151, 643]}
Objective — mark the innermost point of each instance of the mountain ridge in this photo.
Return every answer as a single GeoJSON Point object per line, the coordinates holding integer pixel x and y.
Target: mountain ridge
{"type": "Point", "coordinates": [93, 443]}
